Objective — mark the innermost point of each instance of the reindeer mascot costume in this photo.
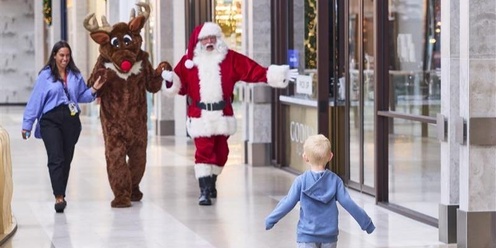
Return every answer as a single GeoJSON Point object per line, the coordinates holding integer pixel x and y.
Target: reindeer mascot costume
{"type": "Point", "coordinates": [129, 74]}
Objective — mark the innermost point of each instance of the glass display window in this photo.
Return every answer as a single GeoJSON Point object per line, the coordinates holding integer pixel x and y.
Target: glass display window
{"type": "Point", "coordinates": [228, 14]}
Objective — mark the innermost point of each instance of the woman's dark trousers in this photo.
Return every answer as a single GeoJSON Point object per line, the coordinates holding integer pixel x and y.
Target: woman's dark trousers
{"type": "Point", "coordinates": [60, 133]}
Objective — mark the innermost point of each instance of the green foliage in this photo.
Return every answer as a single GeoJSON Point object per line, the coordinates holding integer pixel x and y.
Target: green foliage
{"type": "Point", "coordinates": [310, 34]}
{"type": "Point", "coordinates": [47, 11]}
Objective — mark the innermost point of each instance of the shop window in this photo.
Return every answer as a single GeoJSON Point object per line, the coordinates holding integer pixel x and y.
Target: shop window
{"type": "Point", "coordinates": [303, 54]}
{"type": "Point", "coordinates": [310, 41]}
{"type": "Point", "coordinates": [229, 17]}
{"type": "Point", "coordinates": [415, 66]}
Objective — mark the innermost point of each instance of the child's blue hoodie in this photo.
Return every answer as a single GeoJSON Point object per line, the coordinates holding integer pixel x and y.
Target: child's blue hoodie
{"type": "Point", "coordinates": [317, 193]}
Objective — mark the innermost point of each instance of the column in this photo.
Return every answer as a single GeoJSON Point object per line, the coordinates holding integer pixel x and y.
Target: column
{"type": "Point", "coordinates": [39, 39]}
{"type": "Point", "coordinates": [99, 8]}
{"type": "Point", "coordinates": [257, 124]}
{"type": "Point", "coordinates": [257, 35]}
{"type": "Point", "coordinates": [165, 35]}
{"type": "Point", "coordinates": [55, 28]}
{"type": "Point", "coordinates": [113, 7]}
{"type": "Point", "coordinates": [119, 10]}
{"type": "Point", "coordinates": [450, 83]}
{"type": "Point", "coordinates": [476, 218]}
{"type": "Point", "coordinates": [179, 43]}
{"type": "Point", "coordinates": [77, 12]}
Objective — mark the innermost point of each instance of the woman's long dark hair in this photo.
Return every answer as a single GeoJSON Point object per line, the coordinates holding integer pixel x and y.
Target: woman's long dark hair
{"type": "Point", "coordinates": [53, 65]}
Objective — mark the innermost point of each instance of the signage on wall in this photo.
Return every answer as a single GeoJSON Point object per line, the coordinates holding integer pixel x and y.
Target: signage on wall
{"type": "Point", "coordinates": [293, 60]}
{"type": "Point", "coordinates": [304, 84]}
{"type": "Point", "coordinates": [298, 133]}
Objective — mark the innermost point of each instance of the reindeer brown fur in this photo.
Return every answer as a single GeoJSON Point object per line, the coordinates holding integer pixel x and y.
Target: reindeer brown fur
{"type": "Point", "coordinates": [123, 112]}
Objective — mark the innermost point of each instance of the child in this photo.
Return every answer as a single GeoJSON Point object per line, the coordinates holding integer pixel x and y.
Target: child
{"type": "Point", "coordinates": [317, 190]}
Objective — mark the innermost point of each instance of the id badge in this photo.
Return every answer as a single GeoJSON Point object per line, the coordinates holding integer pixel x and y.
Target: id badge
{"type": "Point", "coordinates": [73, 108]}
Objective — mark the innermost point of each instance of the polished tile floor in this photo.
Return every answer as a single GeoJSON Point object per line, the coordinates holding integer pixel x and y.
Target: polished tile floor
{"type": "Point", "coordinates": [168, 215]}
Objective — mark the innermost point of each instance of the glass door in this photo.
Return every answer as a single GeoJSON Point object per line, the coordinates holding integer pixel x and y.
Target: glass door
{"type": "Point", "coordinates": [415, 85]}
{"type": "Point", "coordinates": [361, 94]}
{"type": "Point", "coordinates": [392, 97]}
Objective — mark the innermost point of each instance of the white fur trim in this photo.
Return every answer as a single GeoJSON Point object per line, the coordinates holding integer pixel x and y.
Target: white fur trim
{"type": "Point", "coordinates": [216, 170]}
{"type": "Point", "coordinates": [174, 89]}
{"type": "Point", "coordinates": [211, 122]}
{"type": "Point", "coordinates": [208, 125]}
{"type": "Point", "coordinates": [208, 29]}
{"type": "Point", "coordinates": [134, 70]}
{"type": "Point", "coordinates": [203, 170]}
{"type": "Point", "coordinates": [189, 63]}
{"type": "Point", "coordinates": [276, 76]}
{"type": "Point", "coordinates": [167, 75]}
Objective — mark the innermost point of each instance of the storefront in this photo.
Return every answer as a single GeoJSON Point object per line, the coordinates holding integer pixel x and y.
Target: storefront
{"type": "Point", "coordinates": [370, 80]}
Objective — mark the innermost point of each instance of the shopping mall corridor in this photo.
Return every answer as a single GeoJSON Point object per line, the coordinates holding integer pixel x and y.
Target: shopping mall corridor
{"type": "Point", "coordinates": [168, 215]}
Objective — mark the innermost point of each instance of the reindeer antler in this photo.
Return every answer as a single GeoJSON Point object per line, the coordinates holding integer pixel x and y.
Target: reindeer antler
{"type": "Point", "coordinates": [145, 14]}
{"type": "Point", "coordinates": [92, 27]}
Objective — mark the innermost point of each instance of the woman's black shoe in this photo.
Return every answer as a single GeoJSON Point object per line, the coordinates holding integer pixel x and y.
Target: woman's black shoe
{"type": "Point", "coordinates": [59, 207]}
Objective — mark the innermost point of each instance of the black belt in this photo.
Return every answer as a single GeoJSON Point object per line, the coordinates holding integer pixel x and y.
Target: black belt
{"type": "Point", "coordinates": [211, 106]}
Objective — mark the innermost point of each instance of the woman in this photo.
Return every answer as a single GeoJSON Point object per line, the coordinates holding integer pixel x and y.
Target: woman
{"type": "Point", "coordinates": [54, 103]}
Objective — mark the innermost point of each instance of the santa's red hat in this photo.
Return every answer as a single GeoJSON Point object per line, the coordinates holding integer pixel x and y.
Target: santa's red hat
{"type": "Point", "coordinates": [200, 31]}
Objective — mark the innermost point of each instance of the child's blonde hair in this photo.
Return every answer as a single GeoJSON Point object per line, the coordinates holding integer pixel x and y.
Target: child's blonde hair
{"type": "Point", "coordinates": [317, 149]}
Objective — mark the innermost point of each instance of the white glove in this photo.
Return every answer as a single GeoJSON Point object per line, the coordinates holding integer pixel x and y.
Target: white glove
{"type": "Point", "coordinates": [291, 75]}
{"type": "Point", "coordinates": [167, 75]}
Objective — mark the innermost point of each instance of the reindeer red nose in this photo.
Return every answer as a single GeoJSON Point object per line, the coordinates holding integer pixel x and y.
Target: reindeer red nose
{"type": "Point", "coordinates": [126, 65]}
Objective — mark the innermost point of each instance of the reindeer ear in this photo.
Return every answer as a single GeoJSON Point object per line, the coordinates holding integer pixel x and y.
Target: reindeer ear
{"type": "Point", "coordinates": [100, 37]}
{"type": "Point", "coordinates": [137, 23]}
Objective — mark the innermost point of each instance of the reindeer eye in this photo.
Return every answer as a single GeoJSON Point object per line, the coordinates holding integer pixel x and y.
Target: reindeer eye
{"type": "Point", "coordinates": [127, 39]}
{"type": "Point", "coordinates": [114, 42]}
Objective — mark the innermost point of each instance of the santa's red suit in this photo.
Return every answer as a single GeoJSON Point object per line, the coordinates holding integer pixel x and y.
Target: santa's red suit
{"type": "Point", "coordinates": [208, 79]}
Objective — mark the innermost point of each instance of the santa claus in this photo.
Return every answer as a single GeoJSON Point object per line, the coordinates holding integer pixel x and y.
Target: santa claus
{"type": "Point", "coordinates": [207, 74]}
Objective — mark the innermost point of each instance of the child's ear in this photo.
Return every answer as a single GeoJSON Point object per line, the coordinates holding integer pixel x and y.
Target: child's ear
{"type": "Point", "coordinates": [330, 156]}
{"type": "Point", "coordinates": [305, 157]}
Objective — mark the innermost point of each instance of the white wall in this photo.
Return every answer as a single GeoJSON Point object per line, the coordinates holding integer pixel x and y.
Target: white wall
{"type": "Point", "coordinates": [17, 51]}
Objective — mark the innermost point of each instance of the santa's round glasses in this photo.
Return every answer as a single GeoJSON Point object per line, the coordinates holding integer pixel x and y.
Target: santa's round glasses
{"type": "Point", "coordinates": [211, 38]}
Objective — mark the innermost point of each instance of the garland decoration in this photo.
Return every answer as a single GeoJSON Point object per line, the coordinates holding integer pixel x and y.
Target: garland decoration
{"type": "Point", "coordinates": [310, 42]}
{"type": "Point", "coordinates": [47, 12]}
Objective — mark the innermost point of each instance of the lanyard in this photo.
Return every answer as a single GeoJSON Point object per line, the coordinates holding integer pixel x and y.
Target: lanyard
{"type": "Point", "coordinates": [64, 84]}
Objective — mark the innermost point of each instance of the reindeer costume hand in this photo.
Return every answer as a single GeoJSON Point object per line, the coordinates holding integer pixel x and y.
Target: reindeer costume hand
{"type": "Point", "coordinates": [163, 66]}
{"type": "Point", "coordinates": [102, 78]}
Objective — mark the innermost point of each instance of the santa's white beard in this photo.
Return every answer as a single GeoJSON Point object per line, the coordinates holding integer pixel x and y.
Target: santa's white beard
{"type": "Point", "coordinates": [219, 50]}
{"type": "Point", "coordinates": [209, 72]}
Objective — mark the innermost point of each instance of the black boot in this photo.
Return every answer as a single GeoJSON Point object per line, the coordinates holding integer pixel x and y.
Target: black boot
{"type": "Point", "coordinates": [205, 183]}
{"type": "Point", "coordinates": [213, 189]}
